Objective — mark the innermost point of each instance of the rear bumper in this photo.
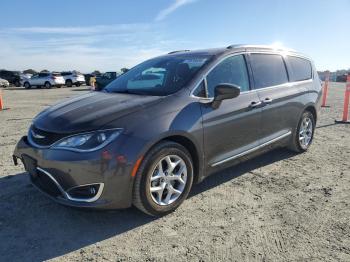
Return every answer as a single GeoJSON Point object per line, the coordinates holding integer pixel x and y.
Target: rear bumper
{"type": "Point", "coordinates": [82, 82]}
{"type": "Point", "coordinates": [57, 173]}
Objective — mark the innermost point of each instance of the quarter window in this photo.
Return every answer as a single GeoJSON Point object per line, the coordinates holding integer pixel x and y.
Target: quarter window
{"type": "Point", "coordinates": [232, 70]}
{"type": "Point", "coordinates": [268, 70]}
{"type": "Point", "coordinates": [300, 69]}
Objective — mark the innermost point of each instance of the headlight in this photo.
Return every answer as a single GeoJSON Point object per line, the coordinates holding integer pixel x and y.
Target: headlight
{"type": "Point", "coordinates": [87, 142]}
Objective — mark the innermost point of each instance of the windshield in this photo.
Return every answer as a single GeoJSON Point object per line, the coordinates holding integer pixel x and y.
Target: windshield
{"type": "Point", "coordinates": [159, 76]}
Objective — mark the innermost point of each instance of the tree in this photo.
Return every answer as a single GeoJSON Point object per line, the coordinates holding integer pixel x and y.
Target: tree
{"type": "Point", "coordinates": [29, 71]}
{"type": "Point", "coordinates": [124, 70]}
{"type": "Point", "coordinates": [45, 71]}
{"type": "Point", "coordinates": [96, 72]}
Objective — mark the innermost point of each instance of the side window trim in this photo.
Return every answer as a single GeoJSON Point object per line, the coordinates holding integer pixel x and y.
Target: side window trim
{"type": "Point", "coordinates": [204, 77]}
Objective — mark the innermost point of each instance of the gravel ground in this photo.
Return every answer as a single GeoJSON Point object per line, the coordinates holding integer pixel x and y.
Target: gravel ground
{"type": "Point", "coordinates": [277, 207]}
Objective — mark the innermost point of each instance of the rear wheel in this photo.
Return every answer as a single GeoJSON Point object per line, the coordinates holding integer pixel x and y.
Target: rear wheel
{"type": "Point", "coordinates": [164, 179]}
{"type": "Point", "coordinates": [47, 85]}
{"type": "Point", "coordinates": [304, 134]}
{"type": "Point", "coordinates": [77, 84]}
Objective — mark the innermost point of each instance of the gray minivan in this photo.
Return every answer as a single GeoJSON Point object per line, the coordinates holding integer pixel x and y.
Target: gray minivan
{"type": "Point", "coordinates": [170, 122]}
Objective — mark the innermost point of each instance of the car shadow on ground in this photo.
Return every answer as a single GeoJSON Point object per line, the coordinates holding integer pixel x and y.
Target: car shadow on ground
{"type": "Point", "coordinates": [34, 228]}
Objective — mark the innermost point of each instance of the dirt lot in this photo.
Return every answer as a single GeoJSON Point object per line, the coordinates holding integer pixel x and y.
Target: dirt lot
{"type": "Point", "coordinates": [277, 207]}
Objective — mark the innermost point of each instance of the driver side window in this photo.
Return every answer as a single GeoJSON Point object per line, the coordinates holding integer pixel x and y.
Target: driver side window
{"type": "Point", "coordinates": [232, 70]}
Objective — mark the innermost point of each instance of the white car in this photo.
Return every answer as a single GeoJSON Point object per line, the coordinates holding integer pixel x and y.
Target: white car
{"type": "Point", "coordinates": [46, 80]}
{"type": "Point", "coordinates": [73, 78]}
{"type": "Point", "coordinates": [4, 83]}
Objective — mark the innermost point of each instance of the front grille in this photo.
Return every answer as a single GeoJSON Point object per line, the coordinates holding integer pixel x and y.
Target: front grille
{"type": "Point", "coordinates": [43, 138]}
{"type": "Point", "coordinates": [46, 184]}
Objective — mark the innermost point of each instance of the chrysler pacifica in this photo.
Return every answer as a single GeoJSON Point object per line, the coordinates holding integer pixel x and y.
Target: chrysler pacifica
{"type": "Point", "coordinates": [170, 122]}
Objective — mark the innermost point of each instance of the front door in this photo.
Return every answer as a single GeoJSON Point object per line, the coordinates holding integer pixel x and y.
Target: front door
{"type": "Point", "coordinates": [234, 128]}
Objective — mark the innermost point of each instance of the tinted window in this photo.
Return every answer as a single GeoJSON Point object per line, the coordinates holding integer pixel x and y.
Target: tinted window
{"type": "Point", "coordinates": [159, 76]}
{"type": "Point", "coordinates": [200, 90]}
{"type": "Point", "coordinates": [232, 70]}
{"type": "Point", "coordinates": [268, 70]}
{"type": "Point", "coordinates": [300, 69]}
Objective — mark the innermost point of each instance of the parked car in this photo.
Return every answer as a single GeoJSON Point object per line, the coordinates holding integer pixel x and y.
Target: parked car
{"type": "Point", "coordinates": [73, 78]}
{"type": "Point", "coordinates": [45, 79]}
{"type": "Point", "coordinates": [11, 76]}
{"type": "Point", "coordinates": [104, 80]}
{"type": "Point", "coordinates": [170, 122]}
{"type": "Point", "coordinates": [4, 83]}
{"type": "Point", "coordinates": [24, 78]}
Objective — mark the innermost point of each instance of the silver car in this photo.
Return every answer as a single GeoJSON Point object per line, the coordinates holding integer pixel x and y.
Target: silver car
{"type": "Point", "coordinates": [4, 83]}
{"type": "Point", "coordinates": [46, 80]}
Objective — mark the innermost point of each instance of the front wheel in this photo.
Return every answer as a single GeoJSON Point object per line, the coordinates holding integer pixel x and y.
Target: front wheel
{"type": "Point", "coordinates": [164, 179]}
{"type": "Point", "coordinates": [26, 85]}
{"type": "Point", "coordinates": [304, 133]}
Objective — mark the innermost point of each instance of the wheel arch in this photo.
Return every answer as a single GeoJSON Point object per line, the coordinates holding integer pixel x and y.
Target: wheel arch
{"type": "Point", "coordinates": [312, 109]}
{"type": "Point", "coordinates": [186, 142]}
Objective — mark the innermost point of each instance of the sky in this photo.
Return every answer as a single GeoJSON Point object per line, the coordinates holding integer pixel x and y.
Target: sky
{"type": "Point", "coordinates": [107, 35]}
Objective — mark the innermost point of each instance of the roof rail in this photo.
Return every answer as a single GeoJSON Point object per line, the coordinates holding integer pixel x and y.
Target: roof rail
{"type": "Point", "coordinates": [280, 48]}
{"type": "Point", "coordinates": [177, 51]}
{"type": "Point", "coordinates": [234, 46]}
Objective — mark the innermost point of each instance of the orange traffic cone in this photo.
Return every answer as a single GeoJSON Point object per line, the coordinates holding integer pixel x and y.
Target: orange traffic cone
{"type": "Point", "coordinates": [1, 101]}
{"type": "Point", "coordinates": [325, 89]}
{"type": "Point", "coordinates": [345, 119]}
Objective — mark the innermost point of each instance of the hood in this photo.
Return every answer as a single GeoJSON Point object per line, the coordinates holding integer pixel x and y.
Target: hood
{"type": "Point", "coordinates": [90, 112]}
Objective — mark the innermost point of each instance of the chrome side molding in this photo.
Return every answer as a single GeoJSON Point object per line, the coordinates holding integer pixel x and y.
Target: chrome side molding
{"type": "Point", "coordinates": [252, 149]}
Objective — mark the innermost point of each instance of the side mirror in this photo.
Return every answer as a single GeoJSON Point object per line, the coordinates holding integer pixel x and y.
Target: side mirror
{"type": "Point", "coordinates": [225, 91]}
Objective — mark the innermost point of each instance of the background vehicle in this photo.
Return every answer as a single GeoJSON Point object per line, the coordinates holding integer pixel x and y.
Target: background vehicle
{"type": "Point", "coordinates": [11, 76]}
{"type": "Point", "coordinates": [73, 78]}
{"type": "Point", "coordinates": [25, 78]}
{"type": "Point", "coordinates": [46, 80]}
{"type": "Point", "coordinates": [4, 83]}
{"type": "Point", "coordinates": [104, 80]}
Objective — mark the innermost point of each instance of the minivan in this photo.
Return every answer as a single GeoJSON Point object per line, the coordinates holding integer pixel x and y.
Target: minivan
{"type": "Point", "coordinates": [170, 122]}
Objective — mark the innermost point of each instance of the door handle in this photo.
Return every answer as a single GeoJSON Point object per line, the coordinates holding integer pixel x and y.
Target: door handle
{"type": "Point", "coordinates": [255, 104]}
{"type": "Point", "coordinates": [268, 100]}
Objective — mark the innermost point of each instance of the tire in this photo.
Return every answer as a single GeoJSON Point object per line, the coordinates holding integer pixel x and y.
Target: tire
{"type": "Point", "coordinates": [302, 137]}
{"type": "Point", "coordinates": [69, 83]}
{"type": "Point", "coordinates": [77, 84]}
{"type": "Point", "coordinates": [47, 85]}
{"type": "Point", "coordinates": [58, 86]}
{"type": "Point", "coordinates": [149, 202]}
{"type": "Point", "coordinates": [26, 85]}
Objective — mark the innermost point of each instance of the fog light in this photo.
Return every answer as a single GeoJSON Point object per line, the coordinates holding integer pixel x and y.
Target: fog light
{"type": "Point", "coordinates": [83, 192]}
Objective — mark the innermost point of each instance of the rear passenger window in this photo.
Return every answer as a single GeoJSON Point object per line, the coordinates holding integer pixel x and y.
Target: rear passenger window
{"type": "Point", "coordinates": [300, 69]}
{"type": "Point", "coordinates": [232, 70]}
{"type": "Point", "coordinates": [268, 70]}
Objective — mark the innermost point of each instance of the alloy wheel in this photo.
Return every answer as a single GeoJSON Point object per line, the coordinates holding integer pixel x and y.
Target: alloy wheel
{"type": "Point", "coordinates": [305, 132]}
{"type": "Point", "coordinates": [168, 180]}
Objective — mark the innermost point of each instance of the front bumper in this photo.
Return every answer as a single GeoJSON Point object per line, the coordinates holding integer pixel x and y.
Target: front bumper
{"type": "Point", "coordinates": [58, 172]}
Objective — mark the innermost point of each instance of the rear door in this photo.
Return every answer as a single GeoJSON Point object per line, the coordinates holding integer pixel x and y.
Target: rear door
{"type": "Point", "coordinates": [280, 98]}
{"type": "Point", "coordinates": [234, 127]}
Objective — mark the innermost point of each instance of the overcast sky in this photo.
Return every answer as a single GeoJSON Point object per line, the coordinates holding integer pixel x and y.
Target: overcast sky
{"type": "Point", "coordinates": [107, 35]}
